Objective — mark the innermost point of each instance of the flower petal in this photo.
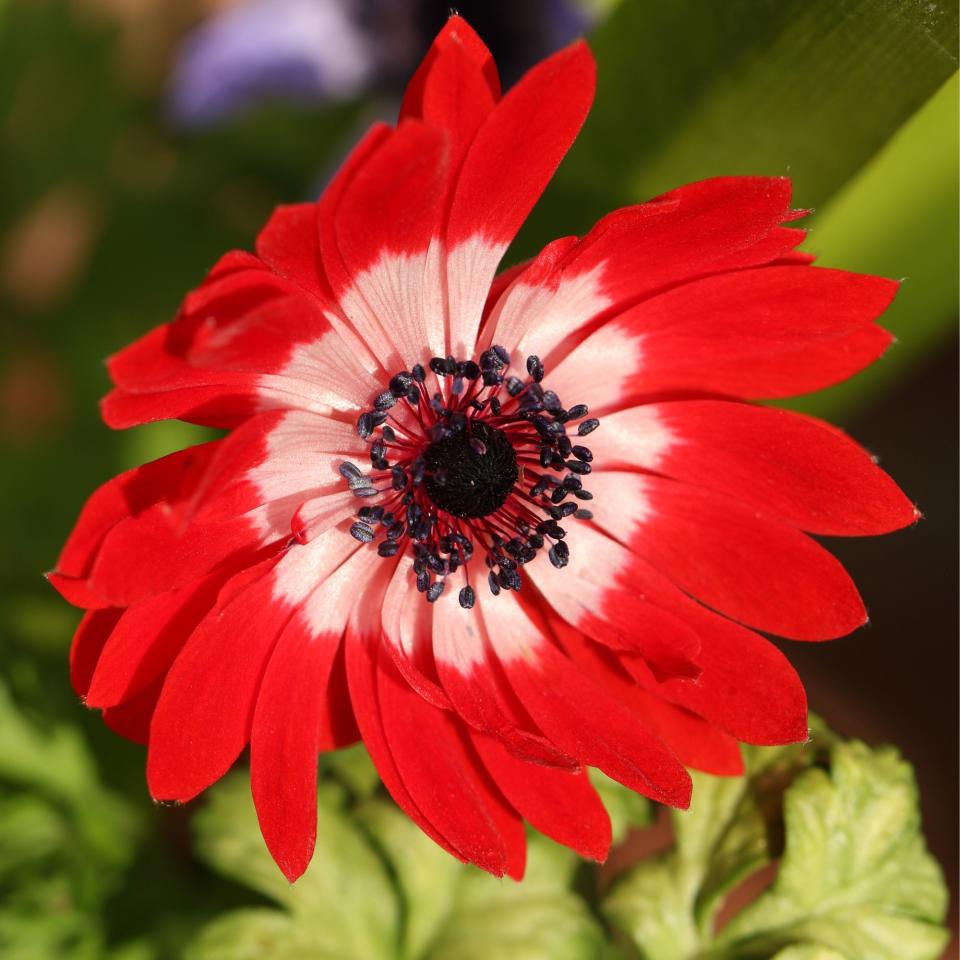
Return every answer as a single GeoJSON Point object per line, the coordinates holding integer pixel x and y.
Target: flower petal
{"type": "Point", "coordinates": [471, 677]}
{"type": "Point", "coordinates": [756, 570]}
{"type": "Point", "coordinates": [509, 163]}
{"type": "Point", "coordinates": [784, 465]}
{"type": "Point", "coordinates": [447, 781]}
{"type": "Point", "coordinates": [455, 87]}
{"type": "Point", "coordinates": [89, 639]}
{"type": "Point", "coordinates": [745, 685]}
{"type": "Point", "coordinates": [147, 638]}
{"type": "Point", "coordinates": [205, 712]}
{"type": "Point", "coordinates": [559, 803]}
{"type": "Point", "coordinates": [770, 332]}
{"type": "Point", "coordinates": [292, 710]}
{"type": "Point", "coordinates": [387, 231]}
{"type": "Point", "coordinates": [455, 52]}
{"type": "Point", "coordinates": [726, 223]}
{"type": "Point", "coordinates": [574, 712]}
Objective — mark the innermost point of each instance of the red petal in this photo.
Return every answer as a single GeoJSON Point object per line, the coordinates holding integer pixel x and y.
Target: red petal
{"type": "Point", "coordinates": [147, 639]}
{"type": "Point", "coordinates": [129, 494]}
{"type": "Point", "coordinates": [575, 713]}
{"type": "Point", "coordinates": [770, 332]}
{"type": "Point", "coordinates": [792, 467]}
{"type": "Point", "coordinates": [697, 743]}
{"type": "Point", "coordinates": [746, 686]}
{"type": "Point", "coordinates": [131, 719]}
{"type": "Point", "coordinates": [517, 150]}
{"type": "Point", "coordinates": [715, 225]}
{"type": "Point", "coordinates": [560, 803]}
{"type": "Point", "coordinates": [455, 87]}
{"type": "Point", "coordinates": [288, 244]}
{"type": "Point", "coordinates": [389, 213]}
{"type": "Point", "coordinates": [89, 640]}
{"type": "Point", "coordinates": [361, 661]}
{"type": "Point", "coordinates": [509, 163]}
{"type": "Point", "coordinates": [459, 43]}
{"type": "Point", "coordinates": [285, 742]}
{"type": "Point", "coordinates": [445, 780]}
{"type": "Point", "coordinates": [203, 718]}
{"type": "Point", "coordinates": [753, 569]}
{"type": "Point", "coordinates": [472, 679]}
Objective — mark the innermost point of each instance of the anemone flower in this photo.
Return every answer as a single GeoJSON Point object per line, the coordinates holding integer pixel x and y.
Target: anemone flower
{"type": "Point", "coordinates": [499, 527]}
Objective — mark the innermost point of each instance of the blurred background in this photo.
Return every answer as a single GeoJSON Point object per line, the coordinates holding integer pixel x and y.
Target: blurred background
{"type": "Point", "coordinates": [140, 139]}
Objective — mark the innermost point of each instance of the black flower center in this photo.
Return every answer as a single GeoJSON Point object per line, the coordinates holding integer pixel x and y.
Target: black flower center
{"type": "Point", "coordinates": [471, 473]}
{"type": "Point", "coordinates": [483, 460]}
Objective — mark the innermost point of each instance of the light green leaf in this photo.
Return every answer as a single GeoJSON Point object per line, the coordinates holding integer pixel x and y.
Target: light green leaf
{"type": "Point", "coordinates": [426, 874]}
{"type": "Point", "coordinates": [379, 888]}
{"type": "Point", "coordinates": [855, 875]}
{"type": "Point", "coordinates": [897, 218]}
{"type": "Point", "coordinates": [353, 768]}
{"type": "Point", "coordinates": [666, 903]}
{"type": "Point", "coordinates": [808, 952]}
{"type": "Point", "coordinates": [628, 810]}
{"type": "Point", "coordinates": [536, 918]}
{"type": "Point", "coordinates": [344, 906]}
{"type": "Point", "coordinates": [98, 828]}
{"type": "Point", "coordinates": [257, 934]}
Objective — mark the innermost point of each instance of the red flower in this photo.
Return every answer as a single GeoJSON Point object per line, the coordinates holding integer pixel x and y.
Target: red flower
{"type": "Point", "coordinates": [283, 587]}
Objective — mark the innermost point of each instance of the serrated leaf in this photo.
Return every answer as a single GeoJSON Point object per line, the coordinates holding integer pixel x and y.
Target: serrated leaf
{"type": "Point", "coordinates": [855, 880]}
{"type": "Point", "coordinates": [379, 888]}
{"type": "Point", "coordinates": [808, 952]}
{"type": "Point", "coordinates": [536, 918]}
{"type": "Point", "coordinates": [855, 875]}
{"type": "Point", "coordinates": [344, 906]}
{"type": "Point", "coordinates": [666, 903]}
{"type": "Point", "coordinates": [254, 934]}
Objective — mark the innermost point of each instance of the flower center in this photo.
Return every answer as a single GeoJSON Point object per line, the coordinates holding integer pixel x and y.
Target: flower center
{"type": "Point", "coordinates": [483, 464]}
{"type": "Point", "coordinates": [471, 473]}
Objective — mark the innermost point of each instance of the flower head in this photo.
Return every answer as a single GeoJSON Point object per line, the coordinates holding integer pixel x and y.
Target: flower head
{"type": "Point", "coordinates": [500, 527]}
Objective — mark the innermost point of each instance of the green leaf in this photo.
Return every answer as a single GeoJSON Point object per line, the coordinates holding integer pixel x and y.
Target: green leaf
{"type": "Point", "coordinates": [693, 89]}
{"type": "Point", "coordinates": [57, 765]}
{"type": "Point", "coordinates": [427, 875]}
{"type": "Point", "coordinates": [257, 934]}
{"type": "Point", "coordinates": [854, 874]}
{"type": "Point", "coordinates": [379, 888]}
{"type": "Point", "coordinates": [64, 839]}
{"type": "Point", "coordinates": [353, 768]}
{"type": "Point", "coordinates": [628, 810]}
{"type": "Point", "coordinates": [808, 951]}
{"type": "Point", "coordinates": [897, 218]}
{"type": "Point", "coordinates": [539, 917]}
{"type": "Point", "coordinates": [344, 906]}
{"type": "Point", "coordinates": [666, 903]}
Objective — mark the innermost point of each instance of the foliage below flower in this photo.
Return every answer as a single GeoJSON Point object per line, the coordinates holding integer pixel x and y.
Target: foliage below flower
{"type": "Point", "coordinates": [64, 842]}
{"type": "Point", "coordinates": [854, 879]}
{"type": "Point", "coordinates": [383, 891]}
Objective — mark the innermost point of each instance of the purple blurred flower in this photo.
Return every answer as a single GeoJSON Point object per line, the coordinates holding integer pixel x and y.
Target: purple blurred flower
{"type": "Point", "coordinates": [302, 50]}
{"type": "Point", "coordinates": [331, 50]}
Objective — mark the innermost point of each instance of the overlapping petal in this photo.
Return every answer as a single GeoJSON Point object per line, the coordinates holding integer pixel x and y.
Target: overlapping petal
{"type": "Point", "coordinates": [228, 606]}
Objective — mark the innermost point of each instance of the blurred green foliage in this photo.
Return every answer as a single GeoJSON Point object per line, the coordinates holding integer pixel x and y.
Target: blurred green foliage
{"type": "Point", "coordinates": [107, 216]}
